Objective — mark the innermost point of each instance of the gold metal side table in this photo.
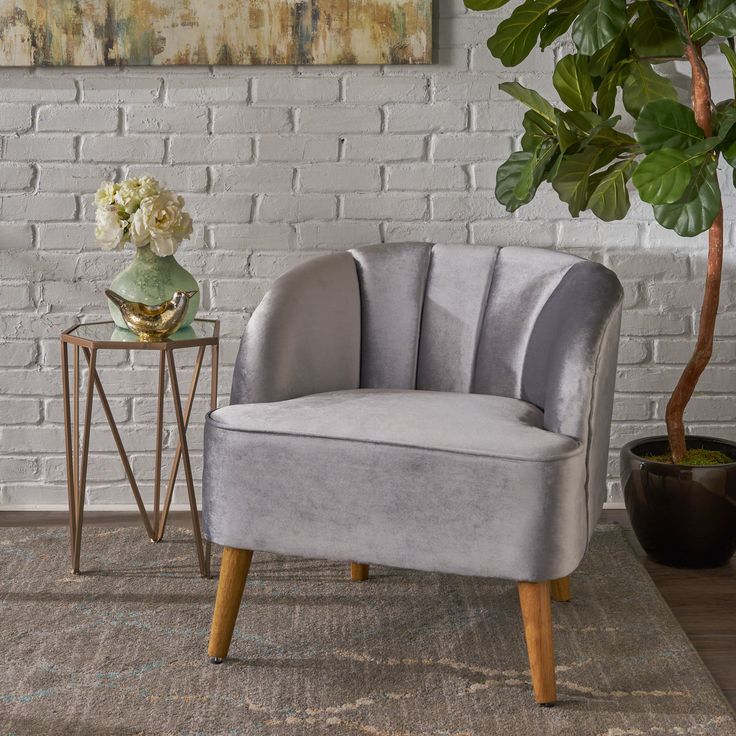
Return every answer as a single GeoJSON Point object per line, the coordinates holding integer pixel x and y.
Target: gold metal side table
{"type": "Point", "coordinates": [90, 338]}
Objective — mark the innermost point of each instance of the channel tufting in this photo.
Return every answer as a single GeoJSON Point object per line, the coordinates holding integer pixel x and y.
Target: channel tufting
{"type": "Point", "coordinates": [450, 305]}
{"type": "Point", "coordinates": [519, 290]}
{"type": "Point", "coordinates": [454, 304]}
{"type": "Point", "coordinates": [392, 280]}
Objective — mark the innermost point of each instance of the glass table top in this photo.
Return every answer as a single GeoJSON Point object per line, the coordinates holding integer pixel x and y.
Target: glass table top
{"type": "Point", "coordinates": [109, 332]}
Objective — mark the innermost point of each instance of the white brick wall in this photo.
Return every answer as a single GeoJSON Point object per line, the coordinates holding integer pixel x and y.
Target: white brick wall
{"type": "Point", "coordinates": [277, 165]}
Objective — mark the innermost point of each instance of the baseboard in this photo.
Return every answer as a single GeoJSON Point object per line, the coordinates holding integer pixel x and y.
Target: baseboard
{"type": "Point", "coordinates": [127, 508]}
{"type": "Point", "coordinates": [107, 507]}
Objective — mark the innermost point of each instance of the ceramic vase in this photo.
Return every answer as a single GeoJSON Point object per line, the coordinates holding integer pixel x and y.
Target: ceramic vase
{"type": "Point", "coordinates": [682, 515]}
{"type": "Point", "coordinates": [153, 279]}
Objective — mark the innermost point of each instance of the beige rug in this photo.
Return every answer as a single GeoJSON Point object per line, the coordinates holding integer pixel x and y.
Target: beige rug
{"type": "Point", "coordinates": [122, 649]}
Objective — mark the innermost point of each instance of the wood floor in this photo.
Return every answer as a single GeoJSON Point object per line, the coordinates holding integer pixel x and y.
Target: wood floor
{"type": "Point", "coordinates": [703, 601]}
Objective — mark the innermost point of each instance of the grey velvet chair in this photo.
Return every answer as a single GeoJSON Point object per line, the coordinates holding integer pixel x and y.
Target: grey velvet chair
{"type": "Point", "coordinates": [436, 407]}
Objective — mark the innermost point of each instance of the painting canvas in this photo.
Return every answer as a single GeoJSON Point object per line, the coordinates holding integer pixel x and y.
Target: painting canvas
{"type": "Point", "coordinates": [152, 32]}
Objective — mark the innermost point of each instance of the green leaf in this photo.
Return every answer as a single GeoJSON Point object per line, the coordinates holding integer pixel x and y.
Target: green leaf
{"type": "Point", "coordinates": [531, 99]}
{"type": "Point", "coordinates": [653, 33]}
{"type": "Point", "coordinates": [729, 153]}
{"type": "Point", "coordinates": [583, 121]}
{"type": "Point", "coordinates": [574, 126]}
{"type": "Point", "coordinates": [536, 130]}
{"type": "Point", "coordinates": [666, 124]}
{"type": "Point", "coordinates": [532, 174]}
{"type": "Point", "coordinates": [673, 12]}
{"type": "Point", "coordinates": [602, 61]}
{"type": "Point", "coordinates": [559, 22]}
{"type": "Point", "coordinates": [598, 24]}
{"type": "Point", "coordinates": [568, 135]}
{"type": "Point", "coordinates": [643, 85]}
{"type": "Point", "coordinates": [610, 198]}
{"type": "Point", "coordinates": [730, 55]}
{"type": "Point", "coordinates": [698, 207]}
{"type": "Point", "coordinates": [715, 18]}
{"type": "Point", "coordinates": [725, 121]}
{"type": "Point", "coordinates": [606, 97]}
{"type": "Point", "coordinates": [607, 137]}
{"type": "Point", "coordinates": [485, 4]}
{"type": "Point", "coordinates": [515, 37]}
{"type": "Point", "coordinates": [705, 146]}
{"type": "Point", "coordinates": [507, 178]}
{"type": "Point", "coordinates": [603, 135]}
{"type": "Point", "coordinates": [573, 175]}
{"type": "Point", "coordinates": [554, 169]}
{"type": "Point", "coordinates": [663, 176]}
{"type": "Point", "coordinates": [587, 128]}
{"type": "Point", "coordinates": [573, 83]}
{"type": "Point", "coordinates": [726, 126]}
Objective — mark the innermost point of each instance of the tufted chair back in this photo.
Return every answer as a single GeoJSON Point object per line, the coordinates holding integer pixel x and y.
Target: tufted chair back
{"type": "Point", "coordinates": [453, 318]}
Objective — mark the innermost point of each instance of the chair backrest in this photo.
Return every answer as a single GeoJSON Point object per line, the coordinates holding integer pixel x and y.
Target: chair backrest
{"type": "Point", "coordinates": [456, 318]}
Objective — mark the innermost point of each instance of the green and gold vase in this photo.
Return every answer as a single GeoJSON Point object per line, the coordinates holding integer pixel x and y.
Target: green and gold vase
{"type": "Point", "coordinates": [152, 279]}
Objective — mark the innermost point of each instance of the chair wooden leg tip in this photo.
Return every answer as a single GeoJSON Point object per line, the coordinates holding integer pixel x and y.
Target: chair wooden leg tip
{"type": "Point", "coordinates": [233, 572]}
{"type": "Point", "coordinates": [547, 705]}
{"type": "Point", "coordinates": [359, 572]}
{"type": "Point", "coordinates": [560, 590]}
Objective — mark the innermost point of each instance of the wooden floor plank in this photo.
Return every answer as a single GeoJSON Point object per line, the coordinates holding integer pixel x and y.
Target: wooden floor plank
{"type": "Point", "coordinates": [704, 602]}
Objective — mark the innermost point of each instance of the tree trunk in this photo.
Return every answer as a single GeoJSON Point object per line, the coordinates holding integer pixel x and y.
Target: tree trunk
{"type": "Point", "coordinates": [702, 106]}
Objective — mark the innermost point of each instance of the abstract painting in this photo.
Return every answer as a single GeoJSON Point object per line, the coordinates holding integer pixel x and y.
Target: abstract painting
{"type": "Point", "coordinates": [153, 32]}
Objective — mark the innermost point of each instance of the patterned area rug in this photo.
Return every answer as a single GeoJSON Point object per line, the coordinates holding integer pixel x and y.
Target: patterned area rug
{"type": "Point", "coordinates": [121, 649]}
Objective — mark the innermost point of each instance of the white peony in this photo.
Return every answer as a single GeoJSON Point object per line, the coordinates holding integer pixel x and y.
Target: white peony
{"type": "Point", "coordinates": [105, 195]}
{"type": "Point", "coordinates": [138, 209]}
{"type": "Point", "coordinates": [111, 231]}
{"type": "Point", "coordinates": [161, 223]}
{"type": "Point", "coordinates": [132, 191]}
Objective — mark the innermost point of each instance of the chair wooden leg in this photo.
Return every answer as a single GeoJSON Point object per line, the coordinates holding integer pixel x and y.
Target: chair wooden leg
{"type": "Point", "coordinates": [536, 610]}
{"type": "Point", "coordinates": [560, 589]}
{"type": "Point", "coordinates": [233, 572]}
{"type": "Point", "coordinates": [358, 571]}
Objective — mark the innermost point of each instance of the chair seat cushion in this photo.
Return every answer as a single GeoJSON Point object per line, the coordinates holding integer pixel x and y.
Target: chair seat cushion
{"type": "Point", "coordinates": [434, 420]}
{"type": "Point", "coordinates": [453, 482]}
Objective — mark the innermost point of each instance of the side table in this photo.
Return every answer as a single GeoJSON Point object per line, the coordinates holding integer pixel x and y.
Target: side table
{"type": "Point", "coordinates": [92, 337]}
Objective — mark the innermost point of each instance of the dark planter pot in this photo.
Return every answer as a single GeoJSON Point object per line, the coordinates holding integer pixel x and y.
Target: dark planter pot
{"type": "Point", "coordinates": [682, 516]}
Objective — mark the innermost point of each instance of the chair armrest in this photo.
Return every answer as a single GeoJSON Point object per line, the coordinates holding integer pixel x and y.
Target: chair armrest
{"type": "Point", "coordinates": [304, 337]}
{"type": "Point", "coordinates": [570, 367]}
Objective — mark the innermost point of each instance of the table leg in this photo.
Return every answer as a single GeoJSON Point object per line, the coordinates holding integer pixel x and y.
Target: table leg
{"type": "Point", "coordinates": [159, 443]}
{"type": "Point", "coordinates": [70, 477]}
{"type": "Point", "coordinates": [177, 454]}
{"type": "Point", "coordinates": [123, 455]}
{"type": "Point", "coordinates": [181, 424]}
{"type": "Point", "coordinates": [215, 370]}
{"type": "Point", "coordinates": [91, 356]}
{"type": "Point", "coordinates": [213, 405]}
{"type": "Point", "coordinates": [76, 424]}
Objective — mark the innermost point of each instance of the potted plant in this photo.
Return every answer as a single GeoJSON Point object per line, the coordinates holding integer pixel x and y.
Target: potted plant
{"type": "Point", "coordinates": [680, 490]}
{"type": "Point", "coordinates": [140, 211]}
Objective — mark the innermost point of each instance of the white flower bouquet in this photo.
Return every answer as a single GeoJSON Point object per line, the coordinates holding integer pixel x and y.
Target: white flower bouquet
{"type": "Point", "coordinates": [140, 211]}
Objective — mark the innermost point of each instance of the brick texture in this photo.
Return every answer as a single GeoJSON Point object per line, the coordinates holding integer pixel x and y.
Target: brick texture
{"type": "Point", "coordinates": [278, 165]}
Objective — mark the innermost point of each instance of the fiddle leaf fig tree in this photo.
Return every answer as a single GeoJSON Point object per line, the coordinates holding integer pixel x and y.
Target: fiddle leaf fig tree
{"type": "Point", "coordinates": [585, 152]}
